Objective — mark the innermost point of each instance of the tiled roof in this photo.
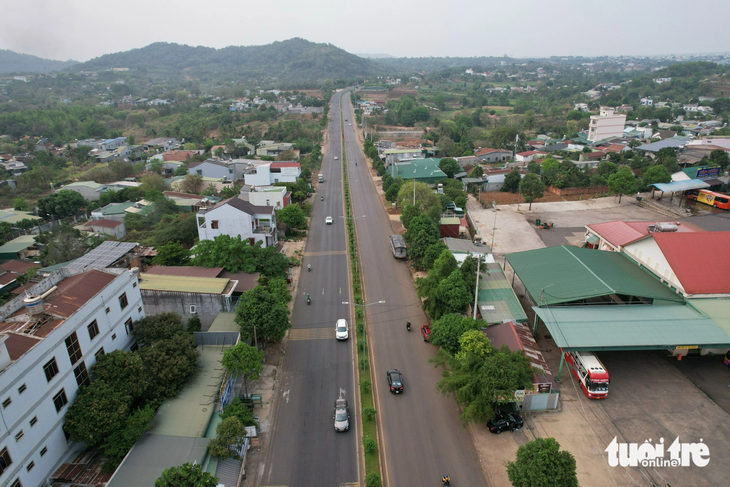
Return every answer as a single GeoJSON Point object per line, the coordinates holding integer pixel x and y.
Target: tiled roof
{"type": "Point", "coordinates": [620, 233]}
{"type": "Point", "coordinates": [698, 273]}
{"type": "Point", "coordinates": [18, 266]}
{"type": "Point", "coordinates": [244, 206]}
{"type": "Point", "coordinates": [487, 150]}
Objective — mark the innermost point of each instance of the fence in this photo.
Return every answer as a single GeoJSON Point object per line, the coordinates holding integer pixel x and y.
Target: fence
{"type": "Point", "coordinates": [540, 402]}
{"type": "Point", "coordinates": [572, 191]}
{"type": "Point", "coordinates": [229, 338]}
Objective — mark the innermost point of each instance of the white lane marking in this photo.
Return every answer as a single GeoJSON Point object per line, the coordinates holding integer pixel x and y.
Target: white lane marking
{"type": "Point", "coordinates": [286, 395]}
{"type": "Point", "coordinates": [342, 393]}
{"type": "Point", "coordinates": [322, 291]}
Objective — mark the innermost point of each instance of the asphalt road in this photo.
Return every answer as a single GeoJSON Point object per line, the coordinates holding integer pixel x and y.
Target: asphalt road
{"type": "Point", "coordinates": [420, 431]}
{"type": "Point", "coordinates": [304, 449]}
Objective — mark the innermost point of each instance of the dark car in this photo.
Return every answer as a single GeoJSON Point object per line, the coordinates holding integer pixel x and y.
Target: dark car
{"type": "Point", "coordinates": [426, 332]}
{"type": "Point", "coordinates": [505, 422]}
{"type": "Point", "coordinates": [395, 381]}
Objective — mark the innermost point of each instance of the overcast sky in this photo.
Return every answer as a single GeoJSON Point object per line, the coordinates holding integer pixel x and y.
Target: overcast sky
{"type": "Point", "coordinates": [84, 29]}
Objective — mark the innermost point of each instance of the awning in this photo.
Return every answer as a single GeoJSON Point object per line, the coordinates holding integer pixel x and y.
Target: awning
{"type": "Point", "coordinates": [677, 186]}
{"type": "Point", "coordinates": [593, 239]}
{"type": "Point", "coordinates": [714, 182]}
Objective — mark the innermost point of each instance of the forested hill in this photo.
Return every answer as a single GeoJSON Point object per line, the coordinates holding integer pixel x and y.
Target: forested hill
{"type": "Point", "coordinates": [291, 59]}
{"type": "Point", "coordinates": [13, 62]}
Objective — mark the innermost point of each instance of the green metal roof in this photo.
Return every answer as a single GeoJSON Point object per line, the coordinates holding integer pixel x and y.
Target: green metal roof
{"type": "Point", "coordinates": [450, 220]}
{"type": "Point", "coordinates": [225, 322]}
{"type": "Point", "coordinates": [86, 184]}
{"type": "Point", "coordinates": [418, 169]}
{"type": "Point", "coordinates": [198, 285]}
{"type": "Point", "coordinates": [563, 274]}
{"type": "Point", "coordinates": [631, 327]}
{"type": "Point", "coordinates": [14, 216]}
{"type": "Point", "coordinates": [115, 208]}
{"type": "Point", "coordinates": [18, 244]}
{"type": "Point", "coordinates": [495, 290]}
{"type": "Point", "coordinates": [717, 309]}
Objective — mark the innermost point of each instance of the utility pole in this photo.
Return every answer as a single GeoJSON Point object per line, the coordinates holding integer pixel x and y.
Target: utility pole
{"type": "Point", "coordinates": [476, 289]}
{"type": "Point", "coordinates": [414, 191]}
{"type": "Point", "coordinates": [494, 228]}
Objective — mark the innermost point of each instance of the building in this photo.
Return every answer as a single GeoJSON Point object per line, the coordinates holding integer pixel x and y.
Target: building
{"type": "Point", "coordinates": [615, 235]}
{"type": "Point", "coordinates": [23, 247]}
{"type": "Point", "coordinates": [393, 156]}
{"type": "Point", "coordinates": [211, 169]}
{"type": "Point", "coordinates": [236, 217]}
{"type": "Point", "coordinates": [179, 155]}
{"type": "Point", "coordinates": [270, 173]}
{"type": "Point", "coordinates": [112, 144]}
{"type": "Point", "coordinates": [112, 228]}
{"type": "Point", "coordinates": [606, 125]}
{"type": "Point", "coordinates": [423, 170]}
{"type": "Point", "coordinates": [46, 352]}
{"type": "Point", "coordinates": [276, 196]}
{"type": "Point", "coordinates": [273, 149]}
{"type": "Point", "coordinates": [112, 211]}
{"type": "Point", "coordinates": [493, 155]}
{"type": "Point", "coordinates": [528, 156]}
{"type": "Point", "coordinates": [88, 189]}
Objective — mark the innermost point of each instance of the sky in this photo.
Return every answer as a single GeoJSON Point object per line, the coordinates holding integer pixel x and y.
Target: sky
{"type": "Point", "coordinates": [84, 29]}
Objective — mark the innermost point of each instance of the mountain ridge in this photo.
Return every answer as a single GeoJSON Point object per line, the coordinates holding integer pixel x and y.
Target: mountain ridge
{"type": "Point", "coordinates": [19, 63]}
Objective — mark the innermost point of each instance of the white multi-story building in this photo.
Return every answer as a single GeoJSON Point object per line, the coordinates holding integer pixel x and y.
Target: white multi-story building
{"type": "Point", "coordinates": [271, 173]}
{"type": "Point", "coordinates": [236, 217]}
{"type": "Point", "coordinates": [48, 344]}
{"type": "Point", "coordinates": [606, 125]}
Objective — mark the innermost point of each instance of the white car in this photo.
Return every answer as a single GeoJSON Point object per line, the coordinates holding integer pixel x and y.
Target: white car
{"type": "Point", "coordinates": [341, 330]}
{"type": "Point", "coordinates": [328, 220]}
{"type": "Point", "coordinates": [336, 158]}
{"type": "Point", "coordinates": [342, 415]}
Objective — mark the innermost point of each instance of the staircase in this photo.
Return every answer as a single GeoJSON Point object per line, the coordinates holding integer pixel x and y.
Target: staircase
{"type": "Point", "coordinates": [678, 213]}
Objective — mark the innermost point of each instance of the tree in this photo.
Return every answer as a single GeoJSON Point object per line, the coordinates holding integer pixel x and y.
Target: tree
{"type": "Point", "coordinates": [63, 243]}
{"type": "Point", "coordinates": [260, 312]}
{"type": "Point", "coordinates": [532, 188]}
{"type": "Point", "coordinates": [622, 182]}
{"type": "Point", "coordinates": [20, 204]}
{"type": "Point", "coordinates": [512, 181]}
{"type": "Point", "coordinates": [116, 446]}
{"type": "Point", "coordinates": [193, 324]}
{"type": "Point", "coordinates": [229, 434]}
{"type": "Point", "coordinates": [170, 364]}
{"type": "Point", "coordinates": [447, 330]}
{"type": "Point", "coordinates": [604, 170]}
{"type": "Point", "coordinates": [426, 200]}
{"type": "Point", "coordinates": [153, 181]}
{"type": "Point", "coordinates": [98, 411]}
{"type": "Point", "coordinates": [292, 216]}
{"type": "Point", "coordinates": [720, 158]}
{"type": "Point", "coordinates": [172, 254]}
{"type": "Point", "coordinates": [123, 371]}
{"type": "Point", "coordinates": [477, 172]}
{"type": "Point", "coordinates": [236, 408]}
{"type": "Point", "coordinates": [540, 462]}
{"type": "Point", "coordinates": [276, 286]}
{"type": "Point", "coordinates": [62, 204]}
{"type": "Point", "coordinates": [192, 183]}
{"type": "Point", "coordinates": [154, 328]}
{"type": "Point", "coordinates": [421, 234]}
{"type": "Point", "coordinates": [243, 360]}
{"type": "Point", "coordinates": [550, 170]}
{"type": "Point", "coordinates": [449, 166]}
{"type": "Point", "coordinates": [187, 475]}
{"type": "Point", "coordinates": [409, 213]}
{"type": "Point", "coordinates": [656, 174]}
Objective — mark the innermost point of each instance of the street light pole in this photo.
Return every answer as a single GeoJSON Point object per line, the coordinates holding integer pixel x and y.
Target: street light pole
{"type": "Point", "coordinates": [494, 228]}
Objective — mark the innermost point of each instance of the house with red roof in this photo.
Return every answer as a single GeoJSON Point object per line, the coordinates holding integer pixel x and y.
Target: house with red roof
{"type": "Point", "coordinates": [695, 264]}
{"type": "Point", "coordinates": [487, 154]}
{"type": "Point", "coordinates": [615, 235]}
{"type": "Point", "coordinates": [112, 228]}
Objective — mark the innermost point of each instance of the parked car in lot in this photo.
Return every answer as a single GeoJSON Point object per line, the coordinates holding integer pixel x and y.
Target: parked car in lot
{"type": "Point", "coordinates": [328, 220]}
{"type": "Point", "coordinates": [342, 415]}
{"type": "Point", "coordinates": [341, 330]}
{"type": "Point", "coordinates": [426, 332]}
{"type": "Point", "coordinates": [395, 381]}
{"type": "Point", "coordinates": [507, 418]}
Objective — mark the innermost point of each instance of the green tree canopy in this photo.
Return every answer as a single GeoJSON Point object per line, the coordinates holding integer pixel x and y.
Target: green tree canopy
{"type": "Point", "coordinates": [123, 371]}
{"type": "Point", "coordinates": [532, 188]}
{"type": "Point", "coordinates": [261, 311]}
{"type": "Point", "coordinates": [449, 166]}
{"type": "Point", "coordinates": [477, 172]}
{"type": "Point", "coordinates": [421, 234]}
{"type": "Point", "coordinates": [62, 204]}
{"type": "Point", "coordinates": [229, 434]}
{"type": "Point", "coordinates": [511, 181]}
{"type": "Point", "coordinates": [187, 475]}
{"type": "Point", "coordinates": [292, 216]}
{"type": "Point", "coordinates": [622, 182]}
{"type": "Point", "coordinates": [656, 174]}
{"type": "Point", "coordinates": [604, 170]}
{"type": "Point", "coordinates": [409, 213]}
{"type": "Point", "coordinates": [170, 364]}
{"type": "Point", "coordinates": [96, 413]}
{"type": "Point", "coordinates": [172, 254]}
{"type": "Point", "coordinates": [235, 255]}
{"type": "Point", "coordinates": [720, 157]}
{"type": "Point", "coordinates": [154, 328]}
{"type": "Point", "coordinates": [243, 360]}
{"type": "Point", "coordinates": [426, 200]}
{"type": "Point", "coordinates": [550, 170]}
{"type": "Point", "coordinates": [447, 330]}
{"type": "Point", "coordinates": [540, 462]}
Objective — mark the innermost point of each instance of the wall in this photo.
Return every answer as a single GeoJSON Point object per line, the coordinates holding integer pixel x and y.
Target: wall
{"type": "Point", "coordinates": [587, 190]}
{"type": "Point", "coordinates": [211, 171]}
{"type": "Point", "coordinates": [648, 253]}
{"type": "Point", "coordinates": [230, 222]}
{"type": "Point", "coordinates": [207, 305]}
{"type": "Point", "coordinates": [260, 178]}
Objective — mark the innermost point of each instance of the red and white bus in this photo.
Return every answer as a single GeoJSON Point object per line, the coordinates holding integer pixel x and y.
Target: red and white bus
{"type": "Point", "coordinates": [718, 200]}
{"type": "Point", "coordinates": [590, 372]}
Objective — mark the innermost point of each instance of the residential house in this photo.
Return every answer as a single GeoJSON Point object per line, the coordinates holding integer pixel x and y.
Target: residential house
{"type": "Point", "coordinates": [615, 235]}
{"type": "Point", "coordinates": [607, 124]}
{"type": "Point", "coordinates": [582, 107]}
{"type": "Point", "coordinates": [276, 196]}
{"type": "Point", "coordinates": [423, 170]}
{"type": "Point", "coordinates": [23, 247]}
{"type": "Point", "coordinates": [180, 155]}
{"type": "Point", "coordinates": [236, 217]}
{"type": "Point", "coordinates": [16, 168]}
{"type": "Point", "coordinates": [163, 143]}
{"type": "Point", "coordinates": [646, 102]}
{"type": "Point", "coordinates": [190, 202]}
{"type": "Point", "coordinates": [88, 189]}
{"type": "Point", "coordinates": [528, 156]}
{"type": "Point", "coordinates": [273, 149]}
{"type": "Point", "coordinates": [112, 228]}
{"type": "Point", "coordinates": [268, 173]}
{"type": "Point", "coordinates": [487, 154]}
{"type": "Point", "coordinates": [393, 156]}
{"type": "Point", "coordinates": [112, 144]}
{"type": "Point", "coordinates": [112, 211]}
{"type": "Point", "coordinates": [211, 169]}
{"type": "Point", "coordinates": [216, 183]}
{"type": "Point", "coordinates": [46, 353]}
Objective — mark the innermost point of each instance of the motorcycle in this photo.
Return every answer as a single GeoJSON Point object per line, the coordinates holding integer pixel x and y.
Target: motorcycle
{"type": "Point", "coordinates": [408, 325]}
{"type": "Point", "coordinates": [321, 198]}
{"type": "Point", "coordinates": [446, 481]}
{"type": "Point", "coordinates": [309, 300]}
{"type": "Point", "coordinates": [309, 267]}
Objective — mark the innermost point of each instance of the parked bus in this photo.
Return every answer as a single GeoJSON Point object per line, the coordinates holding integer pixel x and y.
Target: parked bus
{"type": "Point", "coordinates": [398, 246]}
{"type": "Point", "coordinates": [590, 372]}
{"type": "Point", "coordinates": [718, 200]}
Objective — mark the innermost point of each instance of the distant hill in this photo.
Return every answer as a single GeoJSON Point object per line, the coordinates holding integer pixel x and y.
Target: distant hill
{"type": "Point", "coordinates": [13, 62]}
{"type": "Point", "coordinates": [292, 59]}
{"type": "Point", "coordinates": [374, 56]}
{"type": "Point", "coordinates": [438, 63]}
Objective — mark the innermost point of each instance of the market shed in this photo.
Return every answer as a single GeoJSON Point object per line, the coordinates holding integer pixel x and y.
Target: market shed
{"type": "Point", "coordinates": [569, 276]}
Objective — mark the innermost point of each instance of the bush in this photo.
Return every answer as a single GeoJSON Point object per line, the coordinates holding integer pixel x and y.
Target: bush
{"type": "Point", "coordinates": [193, 324]}
{"type": "Point", "coordinates": [363, 362]}
{"type": "Point", "coordinates": [366, 386]}
{"type": "Point", "coordinates": [369, 445]}
{"type": "Point", "coordinates": [369, 413]}
{"type": "Point", "coordinates": [372, 480]}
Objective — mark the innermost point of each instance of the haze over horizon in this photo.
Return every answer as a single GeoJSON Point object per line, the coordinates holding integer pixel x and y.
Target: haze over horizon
{"type": "Point", "coordinates": [84, 29]}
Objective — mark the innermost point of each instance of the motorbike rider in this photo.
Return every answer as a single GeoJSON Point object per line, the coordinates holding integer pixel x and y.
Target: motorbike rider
{"type": "Point", "coordinates": [446, 480]}
{"type": "Point", "coordinates": [309, 267]}
{"type": "Point", "coordinates": [408, 325]}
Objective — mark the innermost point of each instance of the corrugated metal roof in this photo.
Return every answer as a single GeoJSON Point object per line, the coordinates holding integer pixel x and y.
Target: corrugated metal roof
{"type": "Point", "coordinates": [717, 309]}
{"type": "Point", "coordinates": [18, 266]}
{"type": "Point", "coordinates": [631, 327]}
{"type": "Point", "coordinates": [198, 285]}
{"type": "Point", "coordinates": [684, 185]}
{"type": "Point", "coordinates": [657, 146]}
{"type": "Point", "coordinates": [698, 273]}
{"type": "Point", "coordinates": [620, 233]}
{"type": "Point", "coordinates": [18, 244]}
{"type": "Point", "coordinates": [185, 270]}
{"type": "Point", "coordinates": [518, 337]}
{"type": "Point", "coordinates": [563, 274]}
{"type": "Point", "coordinates": [496, 291]}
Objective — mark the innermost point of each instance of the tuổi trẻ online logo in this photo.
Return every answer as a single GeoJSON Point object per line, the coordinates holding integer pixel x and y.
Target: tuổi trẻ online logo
{"type": "Point", "coordinates": [650, 454]}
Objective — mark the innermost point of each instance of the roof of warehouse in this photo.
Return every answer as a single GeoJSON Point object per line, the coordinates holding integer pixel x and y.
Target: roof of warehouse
{"type": "Point", "coordinates": [620, 233]}
{"type": "Point", "coordinates": [197, 285]}
{"type": "Point", "coordinates": [698, 273]}
{"type": "Point", "coordinates": [638, 327]}
{"type": "Point", "coordinates": [683, 185]}
{"type": "Point", "coordinates": [496, 292]}
{"type": "Point", "coordinates": [563, 274]}
{"type": "Point", "coordinates": [717, 309]}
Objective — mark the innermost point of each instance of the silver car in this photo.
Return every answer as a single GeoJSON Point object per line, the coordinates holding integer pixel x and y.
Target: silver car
{"type": "Point", "coordinates": [341, 330]}
{"type": "Point", "coordinates": [342, 415]}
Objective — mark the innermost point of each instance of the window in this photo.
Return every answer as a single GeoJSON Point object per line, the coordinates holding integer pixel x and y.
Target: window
{"type": "Point", "coordinates": [30, 466]}
{"type": "Point", "coordinates": [139, 310]}
{"type": "Point", "coordinates": [199, 171]}
{"type": "Point", "coordinates": [123, 302]}
{"type": "Point", "coordinates": [5, 460]}
{"type": "Point", "coordinates": [93, 328]}
{"type": "Point", "coordinates": [60, 400]}
{"type": "Point", "coordinates": [108, 310]}
{"type": "Point", "coordinates": [22, 389]}
{"type": "Point", "coordinates": [73, 348]}
{"type": "Point", "coordinates": [7, 402]}
{"type": "Point", "coordinates": [193, 309]}
{"type": "Point", "coordinates": [82, 375]}
{"type": "Point", "coordinates": [19, 435]}
{"type": "Point", "coordinates": [44, 450]}
{"type": "Point", "coordinates": [99, 354]}
{"type": "Point", "coordinates": [114, 336]}
{"type": "Point", "coordinates": [33, 421]}
{"type": "Point", "coordinates": [214, 224]}
{"type": "Point", "coordinates": [51, 369]}
{"type": "Point", "coordinates": [129, 326]}
{"type": "Point", "coordinates": [16, 483]}
{"type": "Point", "coordinates": [134, 284]}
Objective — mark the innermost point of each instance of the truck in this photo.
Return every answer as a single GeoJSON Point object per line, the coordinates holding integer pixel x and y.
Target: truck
{"type": "Point", "coordinates": [320, 178]}
{"type": "Point", "coordinates": [398, 246]}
